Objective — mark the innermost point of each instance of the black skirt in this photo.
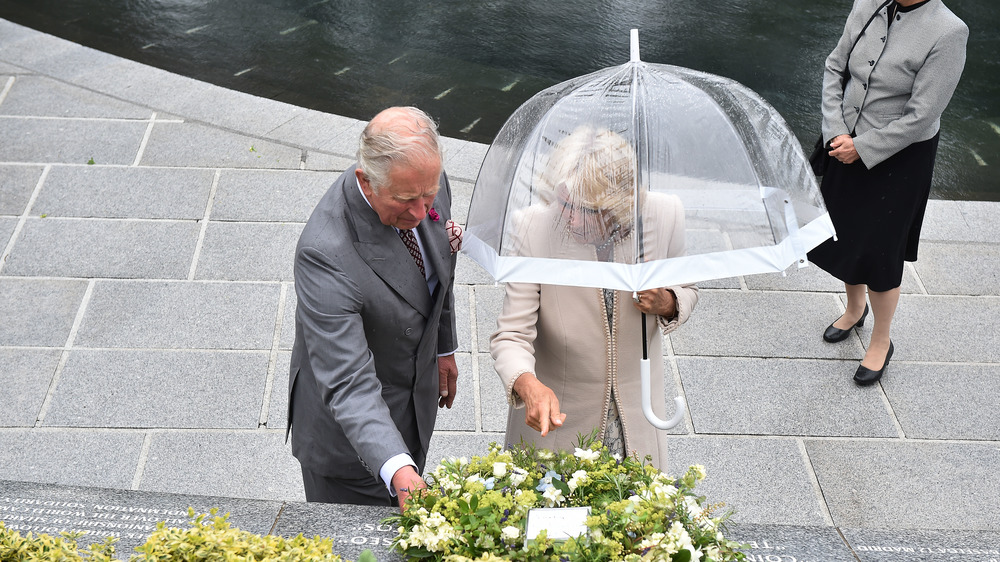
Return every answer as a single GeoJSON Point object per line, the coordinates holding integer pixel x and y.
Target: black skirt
{"type": "Point", "coordinates": [878, 214]}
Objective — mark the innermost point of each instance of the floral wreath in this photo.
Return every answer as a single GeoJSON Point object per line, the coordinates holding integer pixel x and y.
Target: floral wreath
{"type": "Point", "coordinates": [475, 510]}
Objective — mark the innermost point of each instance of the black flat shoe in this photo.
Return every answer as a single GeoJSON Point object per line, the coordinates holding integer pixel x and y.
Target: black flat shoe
{"type": "Point", "coordinates": [834, 335]}
{"type": "Point", "coordinates": [865, 376]}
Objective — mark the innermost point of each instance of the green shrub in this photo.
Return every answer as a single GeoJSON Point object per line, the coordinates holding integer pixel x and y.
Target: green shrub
{"type": "Point", "coordinates": [206, 540]}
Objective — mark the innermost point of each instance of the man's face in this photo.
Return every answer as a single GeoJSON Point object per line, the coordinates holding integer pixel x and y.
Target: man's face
{"type": "Point", "coordinates": [407, 196]}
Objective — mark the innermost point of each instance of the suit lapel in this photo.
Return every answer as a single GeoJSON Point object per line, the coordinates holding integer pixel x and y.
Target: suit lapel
{"type": "Point", "coordinates": [436, 248]}
{"type": "Point", "coordinates": [381, 248]}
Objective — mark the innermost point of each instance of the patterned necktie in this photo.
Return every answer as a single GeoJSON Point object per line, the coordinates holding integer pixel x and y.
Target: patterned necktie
{"type": "Point", "coordinates": [410, 241]}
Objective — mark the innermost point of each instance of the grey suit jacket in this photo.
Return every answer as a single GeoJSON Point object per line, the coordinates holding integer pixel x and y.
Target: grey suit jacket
{"type": "Point", "coordinates": [901, 77]}
{"type": "Point", "coordinates": [363, 384]}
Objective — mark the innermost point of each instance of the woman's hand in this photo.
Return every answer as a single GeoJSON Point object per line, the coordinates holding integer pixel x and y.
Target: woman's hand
{"type": "Point", "coordinates": [661, 302]}
{"type": "Point", "coordinates": [540, 404]}
{"type": "Point", "coordinates": [843, 149]}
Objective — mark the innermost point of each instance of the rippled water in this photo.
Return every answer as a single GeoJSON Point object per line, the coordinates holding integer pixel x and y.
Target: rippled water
{"type": "Point", "coordinates": [471, 63]}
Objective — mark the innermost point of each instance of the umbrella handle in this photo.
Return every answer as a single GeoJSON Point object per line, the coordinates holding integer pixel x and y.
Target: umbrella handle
{"type": "Point", "coordinates": [647, 403]}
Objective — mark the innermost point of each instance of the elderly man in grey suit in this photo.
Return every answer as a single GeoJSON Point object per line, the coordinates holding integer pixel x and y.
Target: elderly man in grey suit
{"type": "Point", "coordinates": [373, 357]}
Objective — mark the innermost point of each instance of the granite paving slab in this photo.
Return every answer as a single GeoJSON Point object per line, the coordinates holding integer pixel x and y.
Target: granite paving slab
{"type": "Point", "coordinates": [12, 69]}
{"type": "Point", "coordinates": [352, 530]}
{"type": "Point", "coordinates": [70, 141]}
{"type": "Point", "coordinates": [287, 337]}
{"type": "Point", "coordinates": [345, 142]}
{"type": "Point", "coordinates": [960, 221]}
{"type": "Point", "coordinates": [7, 226]}
{"type": "Point", "coordinates": [118, 248]}
{"type": "Point", "coordinates": [946, 401]}
{"type": "Point", "coordinates": [312, 128]}
{"type": "Point", "coordinates": [132, 192]}
{"type": "Point", "coordinates": [322, 161]}
{"type": "Point", "coordinates": [141, 389]}
{"type": "Point", "coordinates": [129, 516]}
{"type": "Point", "coordinates": [461, 195]}
{"type": "Point", "coordinates": [171, 315]}
{"type": "Point", "coordinates": [763, 324]}
{"type": "Point", "coordinates": [781, 397]}
{"type": "Point", "coordinates": [41, 96]}
{"type": "Point", "coordinates": [877, 545]}
{"type": "Point", "coordinates": [241, 464]}
{"type": "Point", "coordinates": [883, 484]}
{"type": "Point", "coordinates": [446, 444]}
{"type": "Point", "coordinates": [196, 145]}
{"type": "Point", "coordinates": [489, 303]}
{"type": "Point", "coordinates": [26, 374]}
{"type": "Point", "coordinates": [243, 251]}
{"type": "Point", "coordinates": [463, 159]}
{"type": "Point", "coordinates": [267, 195]}
{"type": "Point", "coordinates": [980, 216]}
{"type": "Point", "coordinates": [493, 397]}
{"type": "Point", "coordinates": [946, 328]}
{"type": "Point", "coordinates": [277, 409]}
{"type": "Point", "coordinates": [463, 320]}
{"type": "Point", "coordinates": [16, 186]}
{"type": "Point", "coordinates": [82, 457]}
{"type": "Point", "coordinates": [811, 278]}
{"type": "Point", "coordinates": [765, 481]}
{"type": "Point", "coordinates": [788, 543]}
{"type": "Point", "coordinates": [38, 312]}
{"type": "Point", "coordinates": [959, 268]}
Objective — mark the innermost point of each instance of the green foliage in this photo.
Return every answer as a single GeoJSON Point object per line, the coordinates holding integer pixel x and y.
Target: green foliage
{"type": "Point", "coordinates": [475, 510]}
{"type": "Point", "coordinates": [15, 548]}
{"type": "Point", "coordinates": [207, 539]}
{"type": "Point", "coordinates": [91, 161]}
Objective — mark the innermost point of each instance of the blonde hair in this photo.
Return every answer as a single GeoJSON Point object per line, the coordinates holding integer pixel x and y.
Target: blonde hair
{"type": "Point", "coordinates": [597, 168]}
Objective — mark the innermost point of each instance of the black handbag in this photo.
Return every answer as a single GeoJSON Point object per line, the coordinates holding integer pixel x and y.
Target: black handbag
{"type": "Point", "coordinates": [820, 157]}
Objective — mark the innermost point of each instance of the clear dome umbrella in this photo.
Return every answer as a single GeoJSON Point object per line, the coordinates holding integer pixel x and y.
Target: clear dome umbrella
{"type": "Point", "coordinates": [589, 160]}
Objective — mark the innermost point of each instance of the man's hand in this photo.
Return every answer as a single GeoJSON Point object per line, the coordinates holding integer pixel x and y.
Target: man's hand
{"type": "Point", "coordinates": [405, 482]}
{"type": "Point", "coordinates": [661, 302]}
{"type": "Point", "coordinates": [447, 380]}
{"type": "Point", "coordinates": [540, 404]}
{"type": "Point", "coordinates": [843, 149]}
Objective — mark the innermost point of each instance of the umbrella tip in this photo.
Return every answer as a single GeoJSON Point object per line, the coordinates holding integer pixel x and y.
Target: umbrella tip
{"type": "Point", "coordinates": [634, 45]}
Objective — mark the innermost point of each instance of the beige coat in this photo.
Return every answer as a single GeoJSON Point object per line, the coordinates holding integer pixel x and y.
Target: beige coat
{"type": "Point", "coordinates": [561, 335]}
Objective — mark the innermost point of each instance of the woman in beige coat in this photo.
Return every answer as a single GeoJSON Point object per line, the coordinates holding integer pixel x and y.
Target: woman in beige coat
{"type": "Point", "coordinates": [569, 356]}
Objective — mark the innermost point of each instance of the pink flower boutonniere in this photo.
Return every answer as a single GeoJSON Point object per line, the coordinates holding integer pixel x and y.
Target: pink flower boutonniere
{"type": "Point", "coordinates": [433, 215]}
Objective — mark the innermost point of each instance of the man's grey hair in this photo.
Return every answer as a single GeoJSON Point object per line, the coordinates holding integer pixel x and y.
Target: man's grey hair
{"type": "Point", "coordinates": [410, 136]}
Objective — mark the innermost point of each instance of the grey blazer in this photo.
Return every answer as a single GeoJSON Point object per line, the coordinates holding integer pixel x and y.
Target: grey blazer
{"type": "Point", "coordinates": [363, 383]}
{"type": "Point", "coordinates": [901, 77]}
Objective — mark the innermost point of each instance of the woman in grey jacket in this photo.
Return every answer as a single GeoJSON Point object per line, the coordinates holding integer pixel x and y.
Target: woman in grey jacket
{"type": "Point", "coordinates": [882, 128]}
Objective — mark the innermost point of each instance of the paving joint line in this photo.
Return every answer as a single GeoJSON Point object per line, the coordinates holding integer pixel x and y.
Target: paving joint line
{"type": "Point", "coordinates": [814, 480]}
{"type": "Point", "coordinates": [145, 140]}
{"type": "Point", "coordinates": [272, 360]}
{"type": "Point", "coordinates": [64, 357]}
{"type": "Point", "coordinates": [140, 467]}
{"type": "Point", "coordinates": [24, 216]}
{"type": "Point", "coordinates": [204, 224]}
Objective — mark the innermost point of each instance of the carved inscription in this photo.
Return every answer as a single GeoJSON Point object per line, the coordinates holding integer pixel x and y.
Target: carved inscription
{"type": "Point", "coordinates": [97, 520]}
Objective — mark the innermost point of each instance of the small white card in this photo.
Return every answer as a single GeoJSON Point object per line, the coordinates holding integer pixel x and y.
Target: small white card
{"type": "Point", "coordinates": [560, 523]}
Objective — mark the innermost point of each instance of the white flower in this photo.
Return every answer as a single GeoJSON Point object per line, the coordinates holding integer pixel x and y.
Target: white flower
{"type": "Point", "coordinates": [553, 496]}
{"type": "Point", "coordinates": [579, 478]}
{"type": "Point", "coordinates": [510, 533]}
{"type": "Point", "coordinates": [699, 471]}
{"type": "Point", "coordinates": [518, 475]}
{"type": "Point", "coordinates": [499, 469]}
{"type": "Point", "coordinates": [586, 454]}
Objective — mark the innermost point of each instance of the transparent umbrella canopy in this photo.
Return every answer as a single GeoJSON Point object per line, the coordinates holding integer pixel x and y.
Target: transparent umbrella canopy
{"type": "Point", "coordinates": [750, 201]}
